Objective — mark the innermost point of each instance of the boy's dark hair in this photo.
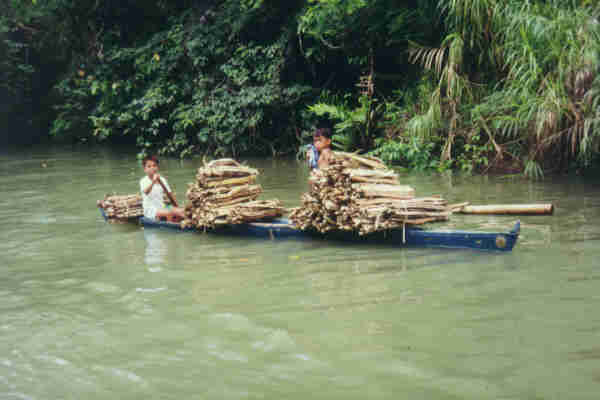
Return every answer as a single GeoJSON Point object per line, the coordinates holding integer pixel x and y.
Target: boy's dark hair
{"type": "Point", "coordinates": [149, 158]}
{"type": "Point", "coordinates": [324, 132]}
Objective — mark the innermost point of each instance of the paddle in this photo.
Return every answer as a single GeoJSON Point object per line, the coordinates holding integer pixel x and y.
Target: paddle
{"type": "Point", "coordinates": [169, 194]}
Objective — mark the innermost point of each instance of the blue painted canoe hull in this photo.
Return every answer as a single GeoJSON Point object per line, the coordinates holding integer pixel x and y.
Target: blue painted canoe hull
{"type": "Point", "coordinates": [282, 228]}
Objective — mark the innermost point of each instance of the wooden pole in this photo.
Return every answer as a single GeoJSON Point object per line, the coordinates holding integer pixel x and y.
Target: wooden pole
{"type": "Point", "coordinates": [173, 201]}
{"type": "Point", "coordinates": [509, 209]}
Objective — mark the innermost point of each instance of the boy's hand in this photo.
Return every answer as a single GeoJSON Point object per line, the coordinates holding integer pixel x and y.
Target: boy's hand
{"type": "Point", "coordinates": [155, 178]}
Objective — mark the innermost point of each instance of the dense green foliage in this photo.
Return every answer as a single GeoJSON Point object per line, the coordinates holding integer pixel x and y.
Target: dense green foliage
{"type": "Point", "coordinates": [475, 85]}
{"type": "Point", "coordinates": [203, 84]}
{"type": "Point", "coordinates": [517, 84]}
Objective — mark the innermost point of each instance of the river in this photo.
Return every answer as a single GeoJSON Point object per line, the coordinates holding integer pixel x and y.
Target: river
{"type": "Point", "coordinates": [90, 310]}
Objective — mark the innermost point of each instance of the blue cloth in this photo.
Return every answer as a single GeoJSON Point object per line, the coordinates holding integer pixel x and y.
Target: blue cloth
{"type": "Point", "coordinates": [313, 156]}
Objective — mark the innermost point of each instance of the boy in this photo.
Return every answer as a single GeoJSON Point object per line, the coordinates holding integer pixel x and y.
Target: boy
{"type": "Point", "coordinates": [322, 143]}
{"type": "Point", "coordinates": [153, 188]}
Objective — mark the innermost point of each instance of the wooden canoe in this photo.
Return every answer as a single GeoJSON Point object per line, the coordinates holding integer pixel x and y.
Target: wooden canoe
{"type": "Point", "coordinates": [281, 228]}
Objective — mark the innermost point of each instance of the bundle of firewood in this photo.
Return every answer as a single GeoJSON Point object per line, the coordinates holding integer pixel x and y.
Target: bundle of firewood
{"type": "Point", "coordinates": [224, 193]}
{"type": "Point", "coordinates": [361, 194]}
{"type": "Point", "coordinates": [123, 206]}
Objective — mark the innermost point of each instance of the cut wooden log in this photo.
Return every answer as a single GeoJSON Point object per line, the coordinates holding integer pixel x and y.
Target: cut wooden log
{"type": "Point", "coordinates": [388, 181]}
{"type": "Point", "coordinates": [223, 162]}
{"type": "Point", "coordinates": [370, 173]}
{"type": "Point", "coordinates": [458, 206]}
{"type": "Point", "coordinates": [227, 171]}
{"type": "Point", "coordinates": [429, 202]}
{"type": "Point", "coordinates": [256, 210]}
{"type": "Point", "coordinates": [385, 191]}
{"type": "Point", "coordinates": [369, 162]}
{"type": "Point", "coordinates": [231, 181]}
{"type": "Point", "coordinates": [509, 209]}
{"type": "Point", "coordinates": [235, 192]}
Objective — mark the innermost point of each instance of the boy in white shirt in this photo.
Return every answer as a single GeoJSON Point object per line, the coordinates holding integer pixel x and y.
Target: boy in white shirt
{"type": "Point", "coordinates": [153, 188]}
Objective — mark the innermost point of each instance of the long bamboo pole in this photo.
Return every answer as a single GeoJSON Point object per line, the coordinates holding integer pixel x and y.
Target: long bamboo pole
{"type": "Point", "coordinates": [509, 209]}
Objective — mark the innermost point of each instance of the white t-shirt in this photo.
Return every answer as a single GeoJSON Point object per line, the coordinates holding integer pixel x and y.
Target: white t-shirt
{"type": "Point", "coordinates": [152, 201]}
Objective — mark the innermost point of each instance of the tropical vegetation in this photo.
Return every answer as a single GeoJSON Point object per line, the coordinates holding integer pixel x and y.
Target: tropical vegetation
{"type": "Point", "coordinates": [475, 85]}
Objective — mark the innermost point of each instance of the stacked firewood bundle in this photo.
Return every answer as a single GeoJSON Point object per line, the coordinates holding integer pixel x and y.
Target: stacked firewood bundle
{"type": "Point", "coordinates": [225, 193]}
{"type": "Point", "coordinates": [361, 194]}
{"type": "Point", "coordinates": [122, 206]}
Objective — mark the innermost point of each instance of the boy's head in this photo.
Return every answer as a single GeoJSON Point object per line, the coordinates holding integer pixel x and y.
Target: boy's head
{"type": "Point", "coordinates": [322, 139]}
{"type": "Point", "coordinates": [150, 164]}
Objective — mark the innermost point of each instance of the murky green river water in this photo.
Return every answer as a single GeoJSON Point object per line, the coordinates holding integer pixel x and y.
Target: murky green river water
{"type": "Point", "coordinates": [90, 310]}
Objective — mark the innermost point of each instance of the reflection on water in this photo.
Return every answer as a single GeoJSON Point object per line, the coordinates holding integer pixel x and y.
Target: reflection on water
{"type": "Point", "coordinates": [156, 247]}
{"type": "Point", "coordinates": [94, 310]}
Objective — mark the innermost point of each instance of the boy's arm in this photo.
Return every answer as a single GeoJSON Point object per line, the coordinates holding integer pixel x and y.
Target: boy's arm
{"type": "Point", "coordinates": [147, 189]}
{"type": "Point", "coordinates": [324, 158]}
